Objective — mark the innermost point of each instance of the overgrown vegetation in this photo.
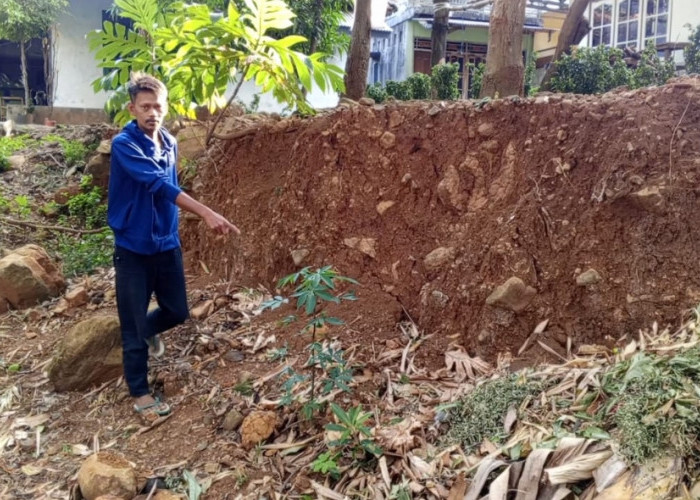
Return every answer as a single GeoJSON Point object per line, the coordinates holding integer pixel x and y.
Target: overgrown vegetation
{"type": "Point", "coordinates": [443, 84]}
{"type": "Point", "coordinates": [692, 51]}
{"type": "Point", "coordinates": [653, 403]}
{"type": "Point", "coordinates": [9, 145]}
{"type": "Point", "coordinates": [74, 152]}
{"type": "Point", "coordinates": [83, 253]}
{"type": "Point", "coordinates": [198, 55]}
{"type": "Point", "coordinates": [480, 414]}
{"type": "Point", "coordinates": [477, 80]}
{"type": "Point", "coordinates": [600, 69]}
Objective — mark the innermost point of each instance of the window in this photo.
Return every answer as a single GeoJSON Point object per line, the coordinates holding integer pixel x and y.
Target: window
{"type": "Point", "coordinates": [601, 34]}
{"type": "Point", "coordinates": [656, 21]}
{"type": "Point", "coordinates": [628, 14]}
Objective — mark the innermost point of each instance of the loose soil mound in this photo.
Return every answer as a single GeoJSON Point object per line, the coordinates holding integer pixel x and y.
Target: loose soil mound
{"type": "Point", "coordinates": [541, 189]}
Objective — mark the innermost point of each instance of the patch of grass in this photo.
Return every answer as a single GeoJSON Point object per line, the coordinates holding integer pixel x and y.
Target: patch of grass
{"type": "Point", "coordinates": [653, 404]}
{"type": "Point", "coordinates": [9, 146]}
{"type": "Point", "coordinates": [74, 152]}
{"type": "Point", "coordinates": [480, 414]}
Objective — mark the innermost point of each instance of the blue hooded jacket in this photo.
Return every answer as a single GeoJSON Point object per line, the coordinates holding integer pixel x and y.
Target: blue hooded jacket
{"type": "Point", "coordinates": [143, 186]}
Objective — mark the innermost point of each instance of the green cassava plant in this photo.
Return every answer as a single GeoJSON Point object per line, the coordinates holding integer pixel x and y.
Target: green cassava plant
{"type": "Point", "coordinates": [313, 290]}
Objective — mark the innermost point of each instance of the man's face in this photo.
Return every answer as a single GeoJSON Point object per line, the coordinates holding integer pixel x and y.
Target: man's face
{"type": "Point", "coordinates": [149, 109]}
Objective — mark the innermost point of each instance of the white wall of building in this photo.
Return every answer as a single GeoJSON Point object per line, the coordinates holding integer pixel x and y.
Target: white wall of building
{"type": "Point", "coordinates": [680, 14]}
{"type": "Point", "coordinates": [76, 66]}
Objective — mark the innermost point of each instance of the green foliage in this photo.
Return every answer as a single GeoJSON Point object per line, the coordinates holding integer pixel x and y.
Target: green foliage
{"type": "Point", "coordinates": [651, 70]}
{"type": "Point", "coordinates": [355, 437]}
{"type": "Point", "coordinates": [9, 145]}
{"type": "Point", "coordinates": [377, 92]}
{"type": "Point", "coordinates": [479, 415]}
{"type": "Point", "coordinates": [591, 71]}
{"type": "Point", "coordinates": [74, 152]}
{"type": "Point", "coordinates": [529, 78]}
{"type": "Point", "coordinates": [198, 56]}
{"type": "Point", "coordinates": [84, 253]}
{"type": "Point", "coordinates": [420, 85]}
{"type": "Point", "coordinates": [653, 403]}
{"type": "Point", "coordinates": [313, 290]}
{"type": "Point", "coordinates": [402, 91]}
{"type": "Point", "coordinates": [326, 464]}
{"type": "Point", "coordinates": [22, 20]}
{"type": "Point", "coordinates": [477, 80]}
{"type": "Point", "coordinates": [86, 208]}
{"type": "Point", "coordinates": [445, 78]}
{"type": "Point", "coordinates": [692, 51]}
{"type": "Point", "coordinates": [320, 26]}
{"type": "Point", "coordinates": [598, 70]}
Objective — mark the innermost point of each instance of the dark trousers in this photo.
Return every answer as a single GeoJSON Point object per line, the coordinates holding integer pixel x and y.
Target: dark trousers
{"type": "Point", "coordinates": [137, 278]}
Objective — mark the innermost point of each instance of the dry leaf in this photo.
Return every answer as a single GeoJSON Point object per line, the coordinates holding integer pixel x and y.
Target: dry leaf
{"type": "Point", "coordinates": [464, 366]}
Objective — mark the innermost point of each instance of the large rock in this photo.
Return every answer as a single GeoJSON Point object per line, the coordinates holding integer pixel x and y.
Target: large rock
{"type": "Point", "coordinates": [89, 354]}
{"type": "Point", "coordinates": [513, 294]}
{"type": "Point", "coordinates": [28, 276]}
{"type": "Point", "coordinates": [106, 473]}
{"type": "Point", "coordinates": [98, 166]}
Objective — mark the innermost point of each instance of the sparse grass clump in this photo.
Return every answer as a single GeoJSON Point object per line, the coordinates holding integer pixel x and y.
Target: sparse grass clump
{"type": "Point", "coordinates": [480, 414]}
{"type": "Point", "coordinates": [9, 146]}
{"type": "Point", "coordinates": [74, 152]}
{"type": "Point", "coordinates": [653, 404]}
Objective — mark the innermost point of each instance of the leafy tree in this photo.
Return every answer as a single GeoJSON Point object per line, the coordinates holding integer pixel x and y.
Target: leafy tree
{"type": "Point", "coordinates": [692, 51]}
{"type": "Point", "coordinates": [198, 55]}
{"type": "Point", "coordinates": [591, 71]}
{"type": "Point", "coordinates": [445, 79]}
{"type": "Point", "coordinates": [22, 20]}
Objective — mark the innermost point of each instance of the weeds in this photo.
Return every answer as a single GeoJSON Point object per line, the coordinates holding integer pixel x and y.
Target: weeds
{"type": "Point", "coordinates": [74, 152]}
{"type": "Point", "coordinates": [480, 414]}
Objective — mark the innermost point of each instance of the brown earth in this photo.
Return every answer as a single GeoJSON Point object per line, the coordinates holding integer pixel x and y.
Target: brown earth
{"type": "Point", "coordinates": [541, 189]}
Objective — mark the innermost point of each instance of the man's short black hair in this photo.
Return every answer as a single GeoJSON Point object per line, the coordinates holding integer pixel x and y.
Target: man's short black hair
{"type": "Point", "coordinates": [141, 82]}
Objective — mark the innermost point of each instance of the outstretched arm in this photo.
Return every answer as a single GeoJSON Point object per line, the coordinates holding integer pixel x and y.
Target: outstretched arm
{"type": "Point", "coordinates": [214, 220]}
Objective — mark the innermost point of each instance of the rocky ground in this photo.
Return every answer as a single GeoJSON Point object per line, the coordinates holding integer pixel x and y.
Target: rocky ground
{"type": "Point", "coordinates": [468, 225]}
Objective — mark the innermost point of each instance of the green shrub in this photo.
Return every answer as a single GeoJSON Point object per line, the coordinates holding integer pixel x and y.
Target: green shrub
{"type": "Point", "coordinates": [530, 68]}
{"type": "Point", "coordinates": [9, 145]}
{"type": "Point", "coordinates": [420, 85]}
{"type": "Point", "coordinates": [377, 92]}
{"type": "Point", "coordinates": [84, 253]}
{"type": "Point", "coordinates": [86, 208]}
{"type": "Point", "coordinates": [692, 51]}
{"type": "Point", "coordinates": [74, 152]}
{"type": "Point", "coordinates": [591, 71]}
{"type": "Point", "coordinates": [399, 90]}
{"type": "Point", "coordinates": [477, 80]}
{"type": "Point", "coordinates": [445, 79]}
{"type": "Point", "coordinates": [651, 70]}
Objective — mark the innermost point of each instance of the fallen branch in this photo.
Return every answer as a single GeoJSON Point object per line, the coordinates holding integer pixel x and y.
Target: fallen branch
{"type": "Point", "coordinates": [51, 228]}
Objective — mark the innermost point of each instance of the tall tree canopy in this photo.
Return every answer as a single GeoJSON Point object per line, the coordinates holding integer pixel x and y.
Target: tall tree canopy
{"type": "Point", "coordinates": [22, 20]}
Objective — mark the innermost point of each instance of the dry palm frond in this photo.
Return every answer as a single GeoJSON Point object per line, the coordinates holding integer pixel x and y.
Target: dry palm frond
{"type": "Point", "coordinates": [464, 366]}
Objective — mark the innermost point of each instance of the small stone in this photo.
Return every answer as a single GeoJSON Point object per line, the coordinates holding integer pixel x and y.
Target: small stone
{"type": "Point", "coordinates": [211, 467]}
{"type": "Point", "coordinates": [77, 297]}
{"type": "Point", "coordinates": [383, 206]}
{"type": "Point", "coordinates": [365, 245]}
{"type": "Point", "coordinates": [105, 147]}
{"type": "Point", "coordinates": [439, 298]}
{"type": "Point", "coordinates": [232, 420]}
{"type": "Point", "coordinates": [562, 135]}
{"type": "Point", "coordinates": [30, 335]}
{"type": "Point", "coordinates": [485, 130]}
{"type": "Point", "coordinates": [491, 146]}
{"type": "Point", "coordinates": [589, 277]}
{"type": "Point", "coordinates": [387, 140]}
{"type": "Point", "coordinates": [434, 110]}
{"type": "Point", "coordinates": [406, 178]}
{"type": "Point", "coordinates": [257, 427]}
{"type": "Point", "coordinates": [16, 162]}
{"type": "Point", "coordinates": [366, 101]}
{"type": "Point", "coordinates": [513, 295]}
{"type": "Point", "coordinates": [438, 258]}
{"type": "Point", "coordinates": [299, 255]}
{"type": "Point", "coordinates": [234, 355]}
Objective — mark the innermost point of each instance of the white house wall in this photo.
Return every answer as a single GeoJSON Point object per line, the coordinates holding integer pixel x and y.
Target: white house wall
{"type": "Point", "coordinates": [76, 66]}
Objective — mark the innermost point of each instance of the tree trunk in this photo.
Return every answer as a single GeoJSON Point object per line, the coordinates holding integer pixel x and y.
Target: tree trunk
{"type": "Point", "coordinates": [358, 58]}
{"type": "Point", "coordinates": [438, 37]}
{"type": "Point", "coordinates": [504, 60]}
{"type": "Point", "coordinates": [25, 76]}
{"type": "Point", "coordinates": [316, 34]}
{"type": "Point", "coordinates": [573, 30]}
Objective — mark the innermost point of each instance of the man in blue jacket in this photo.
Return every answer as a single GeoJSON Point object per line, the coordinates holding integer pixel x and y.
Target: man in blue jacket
{"type": "Point", "coordinates": [144, 197]}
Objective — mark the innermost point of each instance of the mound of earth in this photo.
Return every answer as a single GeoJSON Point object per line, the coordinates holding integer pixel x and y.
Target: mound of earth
{"type": "Point", "coordinates": [590, 202]}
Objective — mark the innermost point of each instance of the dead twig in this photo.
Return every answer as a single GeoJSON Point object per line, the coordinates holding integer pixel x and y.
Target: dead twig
{"type": "Point", "coordinates": [64, 229]}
